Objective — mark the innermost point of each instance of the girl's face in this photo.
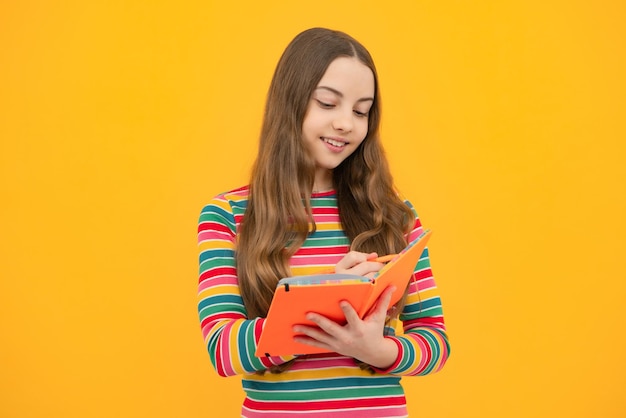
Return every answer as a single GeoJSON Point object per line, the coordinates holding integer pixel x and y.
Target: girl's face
{"type": "Point", "coordinates": [335, 122]}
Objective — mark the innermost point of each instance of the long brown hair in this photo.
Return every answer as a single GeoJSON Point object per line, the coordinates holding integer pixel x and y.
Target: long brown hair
{"type": "Point", "coordinates": [278, 216]}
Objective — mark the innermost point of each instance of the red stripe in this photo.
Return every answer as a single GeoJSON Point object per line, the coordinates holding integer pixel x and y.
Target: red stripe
{"type": "Point", "coordinates": [217, 317]}
{"type": "Point", "coordinates": [322, 250]}
{"type": "Point", "coordinates": [428, 354]}
{"type": "Point", "coordinates": [258, 327]}
{"type": "Point", "coordinates": [221, 271]}
{"type": "Point", "coordinates": [239, 190]}
{"type": "Point", "coordinates": [423, 274]}
{"type": "Point", "coordinates": [322, 210]}
{"type": "Point", "coordinates": [323, 405]}
{"type": "Point", "coordinates": [213, 226]}
{"type": "Point", "coordinates": [218, 364]}
{"type": "Point", "coordinates": [431, 320]}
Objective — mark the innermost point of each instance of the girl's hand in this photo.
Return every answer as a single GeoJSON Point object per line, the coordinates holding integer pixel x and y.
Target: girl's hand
{"type": "Point", "coordinates": [356, 263]}
{"type": "Point", "coordinates": [360, 338]}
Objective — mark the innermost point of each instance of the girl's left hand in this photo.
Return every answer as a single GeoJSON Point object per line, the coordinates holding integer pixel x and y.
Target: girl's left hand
{"type": "Point", "coordinates": [362, 339]}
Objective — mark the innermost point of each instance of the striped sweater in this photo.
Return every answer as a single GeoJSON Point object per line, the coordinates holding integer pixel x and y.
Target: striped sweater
{"type": "Point", "coordinates": [315, 385]}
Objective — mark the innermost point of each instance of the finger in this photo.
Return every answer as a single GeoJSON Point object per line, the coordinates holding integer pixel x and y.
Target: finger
{"type": "Point", "coordinates": [385, 298]}
{"type": "Point", "coordinates": [365, 268]}
{"type": "Point", "coordinates": [310, 341]}
{"type": "Point", "coordinates": [351, 315]}
{"type": "Point", "coordinates": [352, 259]}
{"type": "Point", "coordinates": [329, 327]}
{"type": "Point", "coordinates": [311, 334]}
{"type": "Point", "coordinates": [382, 305]}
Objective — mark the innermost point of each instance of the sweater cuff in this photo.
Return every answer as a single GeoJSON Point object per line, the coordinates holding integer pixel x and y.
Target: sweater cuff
{"type": "Point", "coordinates": [395, 363]}
{"type": "Point", "coordinates": [268, 361]}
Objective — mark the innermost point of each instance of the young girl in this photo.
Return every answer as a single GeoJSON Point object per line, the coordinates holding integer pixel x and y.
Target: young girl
{"type": "Point", "coordinates": [320, 195]}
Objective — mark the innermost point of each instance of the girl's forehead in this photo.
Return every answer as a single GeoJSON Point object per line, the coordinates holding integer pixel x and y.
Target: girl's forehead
{"type": "Point", "coordinates": [348, 73]}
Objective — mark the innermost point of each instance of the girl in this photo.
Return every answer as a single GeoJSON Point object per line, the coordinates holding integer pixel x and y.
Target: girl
{"type": "Point", "coordinates": [320, 195]}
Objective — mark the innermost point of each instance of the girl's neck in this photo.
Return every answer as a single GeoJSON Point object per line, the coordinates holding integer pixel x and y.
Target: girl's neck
{"type": "Point", "coordinates": [323, 180]}
{"type": "Point", "coordinates": [319, 191]}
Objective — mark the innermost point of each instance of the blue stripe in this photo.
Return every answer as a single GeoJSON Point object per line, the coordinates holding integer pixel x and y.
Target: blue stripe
{"type": "Point", "coordinates": [214, 213]}
{"type": "Point", "coordinates": [239, 205]}
{"type": "Point", "coordinates": [242, 337]}
{"type": "Point", "coordinates": [320, 383]}
{"type": "Point", "coordinates": [218, 252]}
{"type": "Point", "coordinates": [434, 347]}
{"type": "Point", "coordinates": [409, 355]}
{"type": "Point", "coordinates": [223, 298]}
{"type": "Point", "coordinates": [328, 234]}
{"type": "Point", "coordinates": [421, 306]}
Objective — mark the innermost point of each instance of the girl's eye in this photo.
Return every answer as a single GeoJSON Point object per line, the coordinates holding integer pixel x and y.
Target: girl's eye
{"type": "Point", "coordinates": [361, 114]}
{"type": "Point", "coordinates": [325, 105]}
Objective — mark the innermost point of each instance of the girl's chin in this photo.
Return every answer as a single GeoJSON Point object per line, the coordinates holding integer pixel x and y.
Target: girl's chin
{"type": "Point", "coordinates": [327, 165]}
{"type": "Point", "coordinates": [330, 163]}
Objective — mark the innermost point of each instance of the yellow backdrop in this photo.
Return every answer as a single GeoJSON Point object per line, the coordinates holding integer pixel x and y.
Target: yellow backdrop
{"type": "Point", "coordinates": [504, 123]}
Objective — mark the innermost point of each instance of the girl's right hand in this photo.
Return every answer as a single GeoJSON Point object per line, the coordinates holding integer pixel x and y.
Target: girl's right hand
{"type": "Point", "coordinates": [357, 263]}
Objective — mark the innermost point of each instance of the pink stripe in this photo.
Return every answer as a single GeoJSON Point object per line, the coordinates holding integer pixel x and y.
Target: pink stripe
{"type": "Point", "coordinates": [389, 411]}
{"type": "Point", "coordinates": [206, 330]}
{"type": "Point", "coordinates": [217, 281]}
{"type": "Point", "coordinates": [315, 261]}
{"type": "Point", "coordinates": [327, 219]}
{"type": "Point", "coordinates": [416, 233]}
{"type": "Point", "coordinates": [444, 352]}
{"type": "Point", "coordinates": [425, 284]}
{"type": "Point", "coordinates": [214, 235]}
{"type": "Point", "coordinates": [313, 363]}
{"type": "Point", "coordinates": [424, 349]}
{"type": "Point", "coordinates": [224, 353]}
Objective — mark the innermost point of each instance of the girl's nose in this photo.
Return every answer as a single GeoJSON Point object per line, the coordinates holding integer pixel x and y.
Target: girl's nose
{"type": "Point", "coordinates": [343, 121]}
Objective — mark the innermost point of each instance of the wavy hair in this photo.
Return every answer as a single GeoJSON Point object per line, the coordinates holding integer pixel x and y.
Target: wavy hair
{"type": "Point", "coordinates": [278, 217]}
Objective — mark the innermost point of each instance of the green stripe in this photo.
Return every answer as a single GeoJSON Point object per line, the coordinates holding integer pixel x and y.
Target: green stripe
{"type": "Point", "coordinates": [423, 264]}
{"type": "Point", "coordinates": [409, 356]}
{"type": "Point", "coordinates": [325, 242]}
{"type": "Point", "coordinates": [327, 394]}
{"type": "Point", "coordinates": [435, 350]}
{"type": "Point", "coordinates": [328, 201]}
{"type": "Point", "coordinates": [328, 383]}
{"type": "Point", "coordinates": [216, 262]}
{"type": "Point", "coordinates": [220, 308]}
{"type": "Point", "coordinates": [213, 213]}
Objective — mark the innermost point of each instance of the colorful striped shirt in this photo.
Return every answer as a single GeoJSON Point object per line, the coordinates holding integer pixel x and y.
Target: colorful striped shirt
{"type": "Point", "coordinates": [315, 385]}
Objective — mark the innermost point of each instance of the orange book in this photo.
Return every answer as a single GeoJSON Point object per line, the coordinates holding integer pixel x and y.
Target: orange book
{"type": "Point", "coordinates": [321, 293]}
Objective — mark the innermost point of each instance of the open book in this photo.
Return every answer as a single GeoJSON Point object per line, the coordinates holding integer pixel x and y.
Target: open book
{"type": "Point", "coordinates": [321, 293]}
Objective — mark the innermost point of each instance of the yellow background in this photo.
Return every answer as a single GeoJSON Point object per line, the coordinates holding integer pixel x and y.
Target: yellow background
{"type": "Point", "coordinates": [504, 123]}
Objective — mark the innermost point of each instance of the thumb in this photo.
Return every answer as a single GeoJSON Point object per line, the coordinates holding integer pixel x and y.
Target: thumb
{"type": "Point", "coordinates": [382, 305]}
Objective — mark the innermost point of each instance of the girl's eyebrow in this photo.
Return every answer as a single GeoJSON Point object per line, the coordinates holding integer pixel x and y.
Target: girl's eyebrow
{"type": "Point", "coordinates": [340, 94]}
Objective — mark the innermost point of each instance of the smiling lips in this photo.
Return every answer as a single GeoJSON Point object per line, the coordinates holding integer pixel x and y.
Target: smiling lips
{"type": "Point", "coordinates": [334, 144]}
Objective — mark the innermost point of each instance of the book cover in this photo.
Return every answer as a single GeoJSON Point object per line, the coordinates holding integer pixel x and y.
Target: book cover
{"type": "Point", "coordinates": [321, 293]}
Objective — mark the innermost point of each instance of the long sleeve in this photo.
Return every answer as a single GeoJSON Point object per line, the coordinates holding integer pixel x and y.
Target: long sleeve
{"type": "Point", "coordinates": [424, 346]}
{"type": "Point", "coordinates": [318, 384]}
{"type": "Point", "coordinates": [230, 337]}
